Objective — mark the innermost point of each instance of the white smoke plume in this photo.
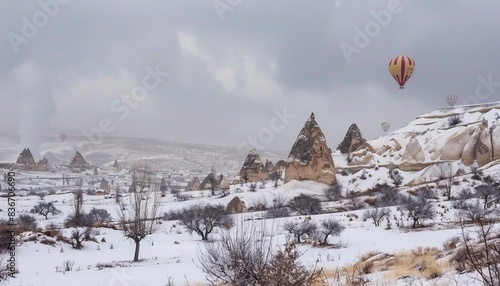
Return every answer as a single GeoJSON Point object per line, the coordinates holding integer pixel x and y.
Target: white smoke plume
{"type": "Point", "coordinates": [35, 105]}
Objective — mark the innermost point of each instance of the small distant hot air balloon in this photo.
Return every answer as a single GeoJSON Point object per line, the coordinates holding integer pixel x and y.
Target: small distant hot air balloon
{"type": "Point", "coordinates": [62, 136]}
{"type": "Point", "coordinates": [401, 68]}
{"type": "Point", "coordinates": [451, 99]}
{"type": "Point", "coordinates": [385, 126]}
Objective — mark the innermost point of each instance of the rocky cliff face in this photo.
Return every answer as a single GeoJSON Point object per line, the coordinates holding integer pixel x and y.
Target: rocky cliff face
{"type": "Point", "coordinates": [310, 157]}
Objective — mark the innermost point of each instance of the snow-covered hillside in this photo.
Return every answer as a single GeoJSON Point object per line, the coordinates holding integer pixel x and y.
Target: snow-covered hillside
{"type": "Point", "coordinates": [467, 133]}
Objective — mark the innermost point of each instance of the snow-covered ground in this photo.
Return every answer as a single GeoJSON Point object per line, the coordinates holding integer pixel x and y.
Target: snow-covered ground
{"type": "Point", "coordinates": [171, 252]}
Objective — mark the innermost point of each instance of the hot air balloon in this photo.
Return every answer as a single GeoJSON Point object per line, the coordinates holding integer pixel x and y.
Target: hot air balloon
{"type": "Point", "coordinates": [452, 99]}
{"type": "Point", "coordinates": [401, 68]}
{"type": "Point", "coordinates": [385, 126]}
{"type": "Point", "coordinates": [62, 136]}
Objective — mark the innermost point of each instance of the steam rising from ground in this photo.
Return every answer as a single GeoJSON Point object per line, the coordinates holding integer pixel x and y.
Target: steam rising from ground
{"type": "Point", "coordinates": [35, 105]}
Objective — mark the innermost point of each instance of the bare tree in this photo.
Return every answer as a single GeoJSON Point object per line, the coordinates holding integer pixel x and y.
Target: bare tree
{"type": "Point", "coordinates": [376, 214]}
{"type": "Point", "coordinates": [101, 216]}
{"type": "Point", "coordinates": [305, 204]}
{"type": "Point", "coordinates": [388, 196]}
{"type": "Point", "coordinates": [483, 252]}
{"type": "Point", "coordinates": [138, 218]}
{"type": "Point", "coordinates": [203, 219]}
{"type": "Point", "coordinates": [45, 208]}
{"type": "Point", "coordinates": [473, 211]}
{"type": "Point", "coordinates": [330, 227]}
{"type": "Point", "coordinates": [488, 193]}
{"type": "Point", "coordinates": [78, 235]}
{"type": "Point", "coordinates": [78, 202]}
{"type": "Point", "coordinates": [212, 179]}
{"type": "Point", "coordinates": [299, 229]}
{"type": "Point", "coordinates": [444, 173]}
{"type": "Point", "coordinates": [334, 191]}
{"type": "Point", "coordinates": [419, 209]}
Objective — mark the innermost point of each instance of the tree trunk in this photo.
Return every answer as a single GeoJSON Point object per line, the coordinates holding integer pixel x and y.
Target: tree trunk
{"type": "Point", "coordinates": [326, 239]}
{"type": "Point", "coordinates": [137, 246]}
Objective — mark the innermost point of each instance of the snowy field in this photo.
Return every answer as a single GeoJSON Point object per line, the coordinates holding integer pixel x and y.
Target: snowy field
{"type": "Point", "coordinates": [170, 254]}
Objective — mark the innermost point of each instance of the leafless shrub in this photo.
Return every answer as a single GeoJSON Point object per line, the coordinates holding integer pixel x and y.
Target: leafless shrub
{"type": "Point", "coordinates": [236, 259]}
{"type": "Point", "coordinates": [454, 120]}
{"type": "Point", "coordinates": [259, 203]}
{"type": "Point", "coordinates": [278, 212]}
{"type": "Point", "coordinates": [246, 255]}
{"type": "Point", "coordinates": [26, 222]}
{"type": "Point", "coordinates": [68, 265]}
{"type": "Point", "coordinates": [284, 269]}
{"type": "Point", "coordinates": [182, 197]}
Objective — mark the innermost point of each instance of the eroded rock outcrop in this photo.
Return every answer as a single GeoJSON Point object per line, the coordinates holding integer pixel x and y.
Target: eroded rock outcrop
{"type": "Point", "coordinates": [253, 170]}
{"type": "Point", "coordinates": [78, 162]}
{"type": "Point", "coordinates": [236, 205]}
{"type": "Point", "coordinates": [310, 157]}
{"type": "Point", "coordinates": [352, 140]}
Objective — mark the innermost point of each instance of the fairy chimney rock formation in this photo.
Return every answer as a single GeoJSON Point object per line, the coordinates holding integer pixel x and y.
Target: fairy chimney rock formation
{"type": "Point", "coordinates": [26, 158]}
{"type": "Point", "coordinates": [193, 185]}
{"type": "Point", "coordinates": [27, 161]}
{"type": "Point", "coordinates": [79, 162]}
{"type": "Point", "coordinates": [253, 169]}
{"type": "Point", "coordinates": [236, 205]}
{"type": "Point", "coordinates": [352, 140]}
{"type": "Point", "coordinates": [310, 158]}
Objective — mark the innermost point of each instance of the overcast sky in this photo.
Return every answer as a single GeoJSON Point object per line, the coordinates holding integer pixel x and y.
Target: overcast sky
{"type": "Point", "coordinates": [217, 72]}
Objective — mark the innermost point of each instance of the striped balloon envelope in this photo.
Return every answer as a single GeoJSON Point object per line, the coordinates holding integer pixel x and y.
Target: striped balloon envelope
{"type": "Point", "coordinates": [451, 99]}
{"type": "Point", "coordinates": [401, 68]}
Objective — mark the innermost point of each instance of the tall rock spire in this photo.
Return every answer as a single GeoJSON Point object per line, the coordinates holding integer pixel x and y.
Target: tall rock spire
{"type": "Point", "coordinates": [310, 157]}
